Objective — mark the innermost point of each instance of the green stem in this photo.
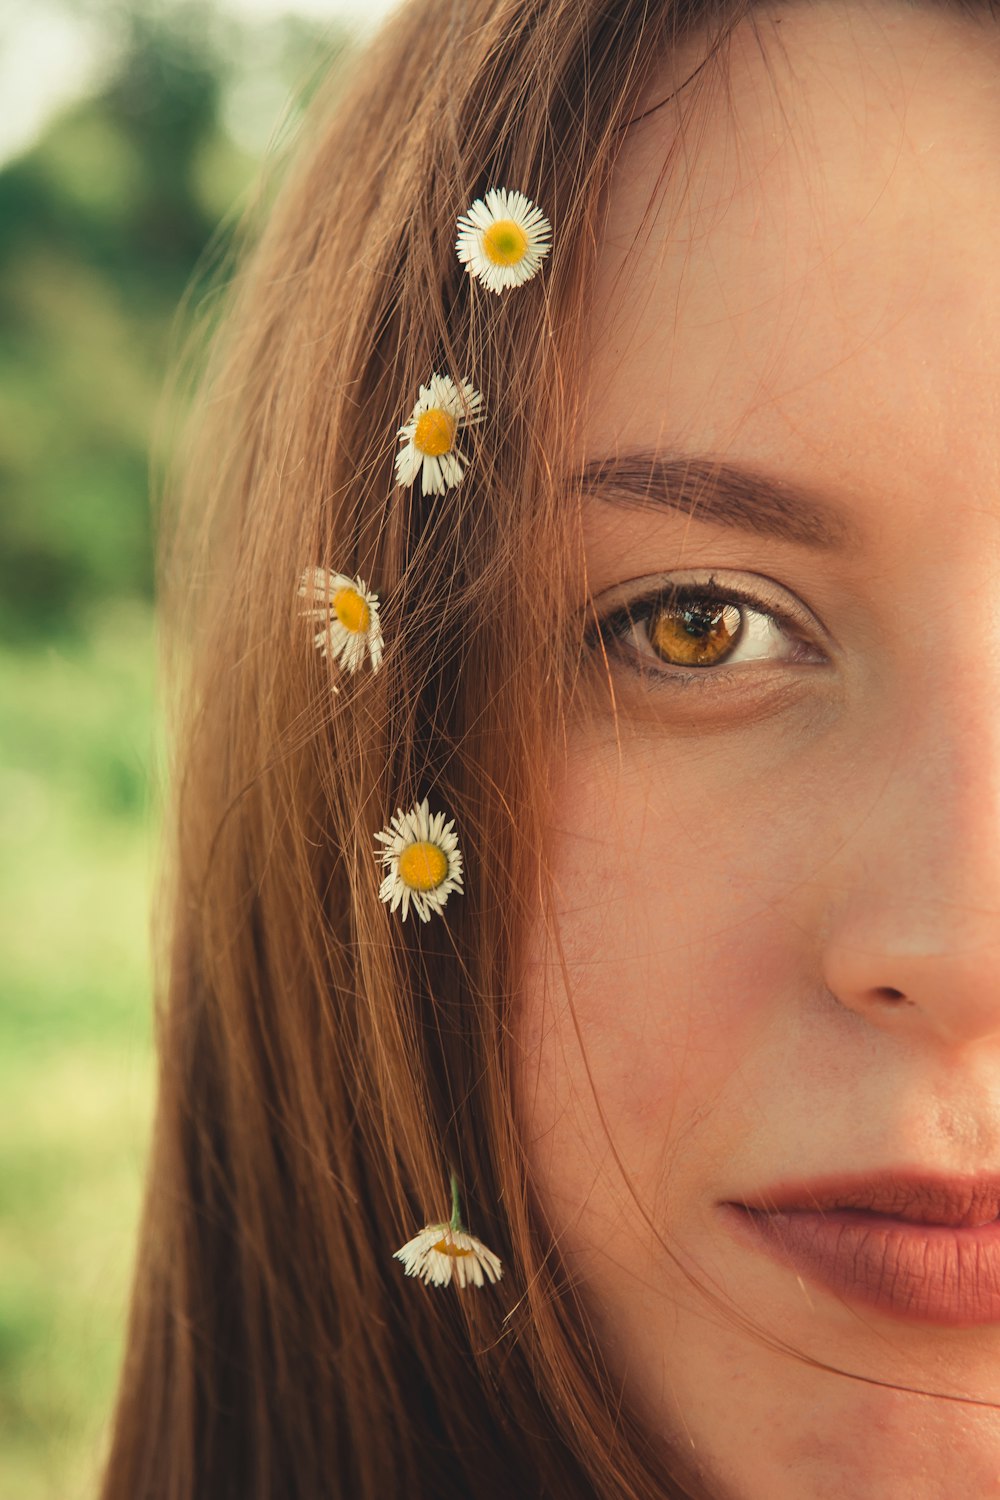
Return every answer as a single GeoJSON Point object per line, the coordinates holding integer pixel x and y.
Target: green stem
{"type": "Point", "coordinates": [456, 1214]}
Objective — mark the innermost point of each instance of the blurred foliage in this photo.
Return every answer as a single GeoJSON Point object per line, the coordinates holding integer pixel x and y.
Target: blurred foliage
{"type": "Point", "coordinates": [103, 226]}
{"type": "Point", "coordinates": [76, 1068]}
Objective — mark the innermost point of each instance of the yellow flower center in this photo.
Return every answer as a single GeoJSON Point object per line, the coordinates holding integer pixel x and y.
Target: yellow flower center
{"type": "Point", "coordinates": [423, 866]}
{"type": "Point", "coordinates": [352, 611]}
{"type": "Point", "coordinates": [445, 1247]}
{"type": "Point", "coordinates": [505, 243]}
{"type": "Point", "coordinates": [435, 432]}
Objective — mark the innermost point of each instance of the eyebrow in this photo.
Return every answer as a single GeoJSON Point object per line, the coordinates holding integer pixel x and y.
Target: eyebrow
{"type": "Point", "coordinates": [728, 494]}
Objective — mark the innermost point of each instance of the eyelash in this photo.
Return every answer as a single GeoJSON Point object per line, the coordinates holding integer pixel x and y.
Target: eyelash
{"type": "Point", "coordinates": [612, 632]}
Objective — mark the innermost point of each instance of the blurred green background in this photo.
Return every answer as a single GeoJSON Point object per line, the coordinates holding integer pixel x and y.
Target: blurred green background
{"type": "Point", "coordinates": [106, 213]}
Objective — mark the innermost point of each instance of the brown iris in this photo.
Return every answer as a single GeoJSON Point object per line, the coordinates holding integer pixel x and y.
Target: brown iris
{"type": "Point", "coordinates": [696, 633]}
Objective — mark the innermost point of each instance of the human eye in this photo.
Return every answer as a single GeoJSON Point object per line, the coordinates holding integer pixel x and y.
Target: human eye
{"type": "Point", "coordinates": [706, 631]}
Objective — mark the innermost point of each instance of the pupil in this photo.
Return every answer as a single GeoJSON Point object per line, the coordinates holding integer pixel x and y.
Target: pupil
{"type": "Point", "coordinates": [699, 622]}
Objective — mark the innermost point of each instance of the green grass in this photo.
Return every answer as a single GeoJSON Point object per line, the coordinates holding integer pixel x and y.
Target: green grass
{"type": "Point", "coordinates": [76, 1076]}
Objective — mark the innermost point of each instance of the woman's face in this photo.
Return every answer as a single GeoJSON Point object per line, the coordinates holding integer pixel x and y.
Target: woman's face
{"type": "Point", "coordinates": [775, 955]}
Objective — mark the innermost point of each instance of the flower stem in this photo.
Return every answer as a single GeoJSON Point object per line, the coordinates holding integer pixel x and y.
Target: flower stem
{"type": "Point", "coordinates": [456, 1214]}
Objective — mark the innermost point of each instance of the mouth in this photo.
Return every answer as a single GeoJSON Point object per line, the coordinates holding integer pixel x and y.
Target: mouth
{"type": "Point", "coordinates": [915, 1197]}
{"type": "Point", "coordinates": [916, 1246]}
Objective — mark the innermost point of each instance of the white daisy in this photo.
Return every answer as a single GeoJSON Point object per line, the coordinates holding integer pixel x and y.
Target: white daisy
{"type": "Point", "coordinates": [440, 1252]}
{"type": "Point", "coordinates": [423, 861]}
{"type": "Point", "coordinates": [427, 442]}
{"type": "Point", "coordinates": [504, 240]}
{"type": "Point", "coordinates": [351, 629]}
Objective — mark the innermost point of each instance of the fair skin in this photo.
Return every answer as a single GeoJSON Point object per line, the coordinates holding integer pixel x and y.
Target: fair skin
{"type": "Point", "coordinates": [776, 943]}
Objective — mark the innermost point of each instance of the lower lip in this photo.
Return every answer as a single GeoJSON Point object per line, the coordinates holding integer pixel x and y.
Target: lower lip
{"type": "Point", "coordinates": [923, 1273]}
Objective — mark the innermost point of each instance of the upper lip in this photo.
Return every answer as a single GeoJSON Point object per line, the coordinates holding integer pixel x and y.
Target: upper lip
{"type": "Point", "coordinates": [902, 1193]}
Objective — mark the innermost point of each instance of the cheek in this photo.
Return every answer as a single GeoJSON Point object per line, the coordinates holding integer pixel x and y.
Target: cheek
{"type": "Point", "coordinates": [655, 981]}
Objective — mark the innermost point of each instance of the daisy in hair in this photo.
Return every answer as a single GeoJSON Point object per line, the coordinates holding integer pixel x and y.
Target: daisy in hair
{"type": "Point", "coordinates": [503, 239]}
{"type": "Point", "coordinates": [444, 1252]}
{"type": "Point", "coordinates": [428, 438]}
{"type": "Point", "coordinates": [350, 632]}
{"type": "Point", "coordinates": [422, 860]}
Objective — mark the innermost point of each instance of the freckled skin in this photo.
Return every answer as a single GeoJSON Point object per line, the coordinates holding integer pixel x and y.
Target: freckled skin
{"type": "Point", "coordinates": [743, 876]}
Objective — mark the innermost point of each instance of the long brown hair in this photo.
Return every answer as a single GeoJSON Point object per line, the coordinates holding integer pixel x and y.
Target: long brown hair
{"type": "Point", "coordinates": [321, 1064]}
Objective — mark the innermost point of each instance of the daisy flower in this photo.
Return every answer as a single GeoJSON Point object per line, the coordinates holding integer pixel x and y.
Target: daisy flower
{"type": "Point", "coordinates": [439, 1252]}
{"type": "Point", "coordinates": [504, 240]}
{"type": "Point", "coordinates": [423, 861]}
{"type": "Point", "coordinates": [442, 1251]}
{"type": "Point", "coordinates": [427, 442]}
{"type": "Point", "coordinates": [351, 630]}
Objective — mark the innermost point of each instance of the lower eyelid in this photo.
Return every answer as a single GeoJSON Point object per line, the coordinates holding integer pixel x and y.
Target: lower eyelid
{"type": "Point", "coordinates": [766, 676]}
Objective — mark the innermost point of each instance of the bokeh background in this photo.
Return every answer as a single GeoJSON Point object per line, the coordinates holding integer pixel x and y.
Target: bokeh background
{"type": "Point", "coordinates": [132, 133]}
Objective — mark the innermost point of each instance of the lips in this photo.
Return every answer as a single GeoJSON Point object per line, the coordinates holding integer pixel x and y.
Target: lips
{"type": "Point", "coordinates": [918, 1246]}
{"type": "Point", "coordinates": [916, 1197]}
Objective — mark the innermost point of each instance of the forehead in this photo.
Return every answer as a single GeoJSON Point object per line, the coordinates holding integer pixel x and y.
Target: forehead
{"type": "Point", "coordinates": [801, 245]}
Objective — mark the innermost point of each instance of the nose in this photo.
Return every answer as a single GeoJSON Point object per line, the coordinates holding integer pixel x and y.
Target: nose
{"type": "Point", "coordinates": [913, 945]}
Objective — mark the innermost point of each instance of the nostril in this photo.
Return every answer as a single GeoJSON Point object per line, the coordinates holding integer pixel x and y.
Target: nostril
{"type": "Point", "coordinates": [886, 992]}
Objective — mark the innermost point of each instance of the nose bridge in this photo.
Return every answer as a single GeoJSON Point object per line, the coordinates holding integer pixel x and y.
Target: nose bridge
{"type": "Point", "coordinates": [946, 783]}
{"type": "Point", "coordinates": [917, 940]}
{"type": "Point", "coordinates": [940, 717]}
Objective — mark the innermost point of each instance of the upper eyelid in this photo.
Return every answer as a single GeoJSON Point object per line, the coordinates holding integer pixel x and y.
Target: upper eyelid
{"type": "Point", "coordinates": [773, 598]}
